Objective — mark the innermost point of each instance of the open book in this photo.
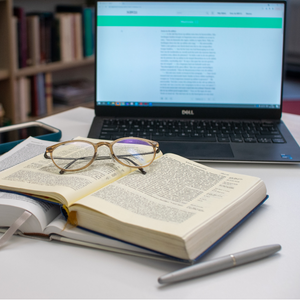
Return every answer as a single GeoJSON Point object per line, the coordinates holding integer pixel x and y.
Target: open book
{"type": "Point", "coordinates": [179, 208]}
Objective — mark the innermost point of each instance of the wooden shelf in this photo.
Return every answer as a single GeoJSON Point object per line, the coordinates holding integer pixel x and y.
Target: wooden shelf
{"type": "Point", "coordinates": [61, 108]}
{"type": "Point", "coordinates": [12, 78]}
{"type": "Point", "coordinates": [4, 74]}
{"type": "Point", "coordinates": [55, 66]}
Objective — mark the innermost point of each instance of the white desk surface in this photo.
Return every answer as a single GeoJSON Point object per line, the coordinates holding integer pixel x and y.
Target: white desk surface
{"type": "Point", "coordinates": [38, 269]}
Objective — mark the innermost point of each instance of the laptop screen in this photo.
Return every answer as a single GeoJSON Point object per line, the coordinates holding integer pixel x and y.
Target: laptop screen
{"type": "Point", "coordinates": [189, 54]}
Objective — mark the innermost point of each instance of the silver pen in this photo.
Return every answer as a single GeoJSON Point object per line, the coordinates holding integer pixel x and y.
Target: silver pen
{"type": "Point", "coordinates": [219, 264]}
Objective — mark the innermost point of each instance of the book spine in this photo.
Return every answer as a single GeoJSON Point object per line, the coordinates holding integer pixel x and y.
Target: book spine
{"type": "Point", "coordinates": [48, 91]}
{"type": "Point", "coordinates": [33, 40]}
{"type": "Point", "coordinates": [15, 39]}
{"type": "Point", "coordinates": [42, 32]}
{"type": "Point", "coordinates": [23, 97]}
{"type": "Point", "coordinates": [48, 37]}
{"type": "Point", "coordinates": [55, 45]}
{"type": "Point", "coordinates": [66, 37]}
{"type": "Point", "coordinates": [88, 31]}
{"type": "Point", "coordinates": [72, 45]}
{"type": "Point", "coordinates": [78, 36]}
{"type": "Point", "coordinates": [42, 108]}
{"type": "Point", "coordinates": [34, 96]}
{"type": "Point", "coordinates": [22, 36]}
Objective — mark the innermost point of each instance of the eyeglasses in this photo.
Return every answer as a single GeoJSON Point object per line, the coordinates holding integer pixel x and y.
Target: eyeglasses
{"type": "Point", "coordinates": [76, 155]}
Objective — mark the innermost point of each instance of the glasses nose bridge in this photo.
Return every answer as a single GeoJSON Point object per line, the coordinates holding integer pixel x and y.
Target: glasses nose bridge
{"type": "Point", "coordinates": [107, 144]}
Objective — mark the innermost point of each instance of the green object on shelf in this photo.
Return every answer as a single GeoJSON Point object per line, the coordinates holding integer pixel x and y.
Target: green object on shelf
{"type": "Point", "coordinates": [88, 20]}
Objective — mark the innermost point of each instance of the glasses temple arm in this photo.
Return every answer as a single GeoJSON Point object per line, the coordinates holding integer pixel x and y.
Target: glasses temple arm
{"type": "Point", "coordinates": [135, 164]}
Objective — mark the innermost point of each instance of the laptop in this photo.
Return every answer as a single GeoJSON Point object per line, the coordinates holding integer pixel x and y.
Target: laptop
{"type": "Point", "coordinates": [202, 78]}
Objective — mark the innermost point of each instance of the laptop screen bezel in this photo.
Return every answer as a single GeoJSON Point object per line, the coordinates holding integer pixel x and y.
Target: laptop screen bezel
{"type": "Point", "coordinates": [200, 112]}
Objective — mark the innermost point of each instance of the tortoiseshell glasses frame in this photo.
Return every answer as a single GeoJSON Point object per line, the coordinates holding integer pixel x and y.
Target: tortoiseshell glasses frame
{"type": "Point", "coordinates": [76, 155]}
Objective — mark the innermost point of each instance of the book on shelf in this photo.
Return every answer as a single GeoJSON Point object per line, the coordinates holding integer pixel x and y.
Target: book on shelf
{"type": "Point", "coordinates": [39, 94]}
{"type": "Point", "coordinates": [42, 106]}
{"type": "Point", "coordinates": [34, 96]}
{"type": "Point", "coordinates": [179, 208]}
{"type": "Point", "coordinates": [48, 92]}
{"type": "Point", "coordinates": [21, 36]}
{"type": "Point", "coordinates": [78, 45]}
{"type": "Point", "coordinates": [55, 41]}
{"type": "Point", "coordinates": [33, 36]}
{"type": "Point", "coordinates": [66, 37]}
{"type": "Point", "coordinates": [23, 93]}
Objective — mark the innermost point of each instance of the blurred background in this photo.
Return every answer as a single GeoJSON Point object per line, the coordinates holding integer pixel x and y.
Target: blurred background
{"type": "Point", "coordinates": [35, 83]}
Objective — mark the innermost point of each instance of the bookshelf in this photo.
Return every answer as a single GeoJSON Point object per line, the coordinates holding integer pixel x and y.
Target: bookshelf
{"type": "Point", "coordinates": [10, 71]}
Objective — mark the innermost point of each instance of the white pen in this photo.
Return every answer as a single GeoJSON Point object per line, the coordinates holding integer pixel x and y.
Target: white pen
{"type": "Point", "coordinates": [219, 264]}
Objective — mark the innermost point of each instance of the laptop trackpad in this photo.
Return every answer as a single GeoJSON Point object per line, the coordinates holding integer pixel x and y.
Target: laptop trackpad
{"type": "Point", "coordinates": [197, 150]}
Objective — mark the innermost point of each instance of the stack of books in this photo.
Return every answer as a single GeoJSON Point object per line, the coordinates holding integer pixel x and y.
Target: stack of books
{"type": "Point", "coordinates": [74, 92]}
{"type": "Point", "coordinates": [179, 209]}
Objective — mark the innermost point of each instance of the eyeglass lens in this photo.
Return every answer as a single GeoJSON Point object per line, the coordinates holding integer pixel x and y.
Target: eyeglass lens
{"type": "Point", "coordinates": [134, 152]}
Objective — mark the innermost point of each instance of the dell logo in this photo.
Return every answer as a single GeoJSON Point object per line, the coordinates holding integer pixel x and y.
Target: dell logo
{"type": "Point", "coordinates": [187, 112]}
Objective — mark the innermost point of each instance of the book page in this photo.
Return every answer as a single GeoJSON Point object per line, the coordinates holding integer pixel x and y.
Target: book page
{"type": "Point", "coordinates": [175, 196]}
{"type": "Point", "coordinates": [12, 205]}
{"type": "Point", "coordinates": [39, 176]}
{"type": "Point", "coordinates": [27, 149]}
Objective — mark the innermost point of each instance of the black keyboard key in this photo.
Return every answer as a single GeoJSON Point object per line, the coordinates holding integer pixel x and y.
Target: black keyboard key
{"type": "Point", "coordinates": [183, 135]}
{"type": "Point", "coordinates": [224, 140]}
{"type": "Point", "coordinates": [222, 135]}
{"type": "Point", "coordinates": [157, 134]}
{"type": "Point", "coordinates": [170, 134]}
{"type": "Point", "coordinates": [106, 128]}
{"type": "Point", "coordinates": [250, 140]}
{"type": "Point", "coordinates": [104, 137]}
{"type": "Point", "coordinates": [264, 140]}
{"type": "Point", "coordinates": [117, 136]}
{"type": "Point", "coordinates": [269, 136]}
{"type": "Point", "coordinates": [265, 132]}
{"type": "Point", "coordinates": [237, 140]}
{"type": "Point", "coordinates": [278, 141]}
{"type": "Point", "coordinates": [110, 132]}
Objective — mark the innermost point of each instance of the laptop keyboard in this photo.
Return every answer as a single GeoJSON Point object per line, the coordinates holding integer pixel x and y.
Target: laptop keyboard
{"type": "Point", "coordinates": [196, 130]}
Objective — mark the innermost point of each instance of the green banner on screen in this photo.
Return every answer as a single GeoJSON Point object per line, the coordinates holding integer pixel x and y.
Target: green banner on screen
{"type": "Point", "coordinates": [149, 21]}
